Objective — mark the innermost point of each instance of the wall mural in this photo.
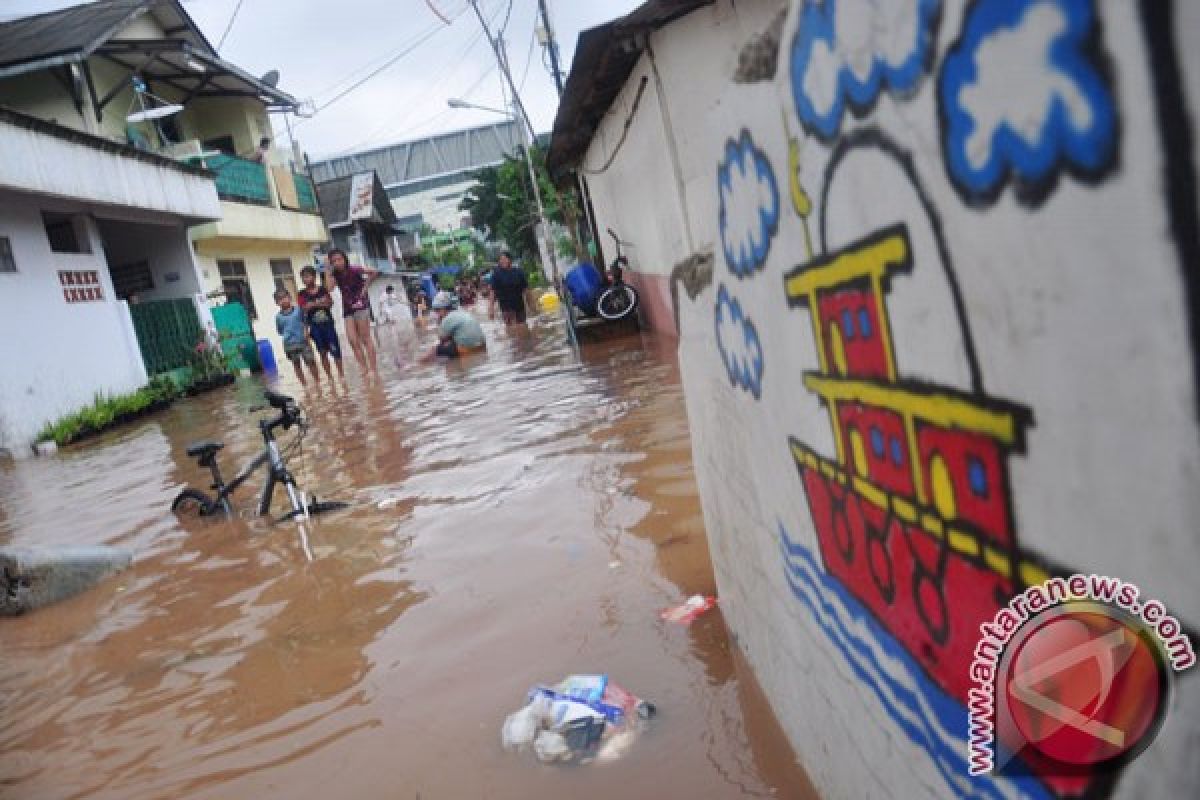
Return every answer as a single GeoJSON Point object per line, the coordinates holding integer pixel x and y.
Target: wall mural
{"type": "Point", "coordinates": [846, 53]}
{"type": "Point", "coordinates": [1061, 120]}
{"type": "Point", "coordinates": [749, 205]}
{"type": "Point", "coordinates": [914, 512]}
{"type": "Point", "coordinates": [740, 347]}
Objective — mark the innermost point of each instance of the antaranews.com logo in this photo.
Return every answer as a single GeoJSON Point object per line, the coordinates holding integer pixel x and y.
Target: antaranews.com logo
{"type": "Point", "coordinates": [1072, 675]}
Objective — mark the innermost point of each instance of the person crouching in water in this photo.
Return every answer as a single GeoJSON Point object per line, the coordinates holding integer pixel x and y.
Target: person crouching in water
{"type": "Point", "coordinates": [317, 304]}
{"type": "Point", "coordinates": [289, 322]}
{"type": "Point", "coordinates": [459, 333]}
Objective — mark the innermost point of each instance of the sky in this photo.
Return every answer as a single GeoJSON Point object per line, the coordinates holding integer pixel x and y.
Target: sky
{"type": "Point", "coordinates": [320, 48]}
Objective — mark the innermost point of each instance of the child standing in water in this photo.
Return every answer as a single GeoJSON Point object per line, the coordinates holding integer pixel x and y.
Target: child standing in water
{"type": "Point", "coordinates": [290, 324]}
{"type": "Point", "coordinates": [317, 304]}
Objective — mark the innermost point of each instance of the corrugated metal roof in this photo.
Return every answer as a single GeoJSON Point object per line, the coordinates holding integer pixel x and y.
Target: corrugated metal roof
{"type": "Point", "coordinates": [446, 153]}
{"type": "Point", "coordinates": [604, 57]}
{"type": "Point", "coordinates": [77, 29]}
{"type": "Point", "coordinates": [73, 34]}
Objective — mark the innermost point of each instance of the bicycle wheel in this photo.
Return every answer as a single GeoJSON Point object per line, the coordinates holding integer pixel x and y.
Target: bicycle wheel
{"type": "Point", "coordinates": [617, 302]}
{"type": "Point", "coordinates": [193, 501]}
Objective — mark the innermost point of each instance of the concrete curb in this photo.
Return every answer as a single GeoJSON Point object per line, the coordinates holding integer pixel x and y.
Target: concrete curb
{"type": "Point", "coordinates": [32, 577]}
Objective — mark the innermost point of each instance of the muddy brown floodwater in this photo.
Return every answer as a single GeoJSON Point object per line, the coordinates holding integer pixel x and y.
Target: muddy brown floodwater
{"type": "Point", "coordinates": [513, 521]}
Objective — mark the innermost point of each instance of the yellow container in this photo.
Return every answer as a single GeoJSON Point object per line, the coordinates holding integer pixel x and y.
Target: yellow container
{"type": "Point", "coordinates": [548, 302]}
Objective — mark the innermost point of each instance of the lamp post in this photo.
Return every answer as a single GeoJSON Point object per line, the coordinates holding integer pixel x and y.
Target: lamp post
{"type": "Point", "coordinates": [543, 240]}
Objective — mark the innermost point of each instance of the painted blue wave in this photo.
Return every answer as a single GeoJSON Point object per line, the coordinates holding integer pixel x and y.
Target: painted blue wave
{"type": "Point", "coordinates": [928, 716]}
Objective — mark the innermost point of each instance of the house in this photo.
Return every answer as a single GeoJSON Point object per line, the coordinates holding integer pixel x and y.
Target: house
{"type": "Point", "coordinates": [118, 69]}
{"type": "Point", "coordinates": [362, 223]}
{"type": "Point", "coordinates": [937, 333]}
{"type": "Point", "coordinates": [87, 223]}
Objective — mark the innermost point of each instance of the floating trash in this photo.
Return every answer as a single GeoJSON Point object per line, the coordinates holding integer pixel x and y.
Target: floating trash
{"type": "Point", "coordinates": [581, 719]}
{"type": "Point", "coordinates": [687, 611]}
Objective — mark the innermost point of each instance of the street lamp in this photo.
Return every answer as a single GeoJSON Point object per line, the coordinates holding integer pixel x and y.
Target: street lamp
{"type": "Point", "coordinates": [544, 239]}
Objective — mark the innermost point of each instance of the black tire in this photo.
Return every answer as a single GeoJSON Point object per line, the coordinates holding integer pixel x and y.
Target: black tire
{"type": "Point", "coordinates": [617, 302]}
{"type": "Point", "coordinates": [193, 500]}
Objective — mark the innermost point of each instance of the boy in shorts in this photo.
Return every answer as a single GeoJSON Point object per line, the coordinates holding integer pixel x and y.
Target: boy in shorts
{"type": "Point", "coordinates": [290, 324]}
{"type": "Point", "coordinates": [317, 304]}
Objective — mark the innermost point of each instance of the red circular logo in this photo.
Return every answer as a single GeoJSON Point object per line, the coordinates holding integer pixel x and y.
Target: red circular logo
{"type": "Point", "coordinates": [1086, 685]}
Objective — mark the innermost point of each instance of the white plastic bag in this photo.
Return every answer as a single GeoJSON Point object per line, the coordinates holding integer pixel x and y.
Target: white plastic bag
{"type": "Point", "coordinates": [551, 746]}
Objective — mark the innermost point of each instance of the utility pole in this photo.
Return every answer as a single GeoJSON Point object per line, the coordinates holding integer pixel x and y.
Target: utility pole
{"type": "Point", "coordinates": [552, 47]}
{"type": "Point", "coordinates": [585, 201]}
{"type": "Point", "coordinates": [502, 62]}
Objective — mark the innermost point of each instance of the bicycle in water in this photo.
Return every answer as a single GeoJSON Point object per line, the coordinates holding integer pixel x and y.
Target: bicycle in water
{"type": "Point", "coordinates": [273, 458]}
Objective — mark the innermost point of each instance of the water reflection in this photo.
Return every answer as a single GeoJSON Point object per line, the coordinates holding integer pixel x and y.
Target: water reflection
{"type": "Point", "coordinates": [514, 519]}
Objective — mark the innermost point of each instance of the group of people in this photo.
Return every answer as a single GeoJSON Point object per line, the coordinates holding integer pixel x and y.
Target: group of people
{"type": "Point", "coordinates": [308, 320]}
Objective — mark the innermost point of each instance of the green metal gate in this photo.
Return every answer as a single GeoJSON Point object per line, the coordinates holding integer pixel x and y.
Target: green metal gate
{"type": "Point", "coordinates": [167, 333]}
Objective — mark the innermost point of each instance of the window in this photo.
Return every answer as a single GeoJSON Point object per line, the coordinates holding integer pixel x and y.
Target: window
{"type": "Point", "coordinates": [284, 275]}
{"type": "Point", "coordinates": [848, 323]}
{"type": "Point", "coordinates": [897, 452]}
{"type": "Point", "coordinates": [977, 477]}
{"type": "Point", "coordinates": [877, 441]}
{"type": "Point", "coordinates": [222, 143]}
{"type": "Point", "coordinates": [129, 279]}
{"type": "Point", "coordinates": [64, 233]}
{"type": "Point", "coordinates": [237, 285]}
{"type": "Point", "coordinates": [7, 262]}
{"type": "Point", "coordinates": [864, 323]}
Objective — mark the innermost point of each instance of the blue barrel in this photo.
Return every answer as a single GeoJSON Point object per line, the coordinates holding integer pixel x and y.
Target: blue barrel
{"type": "Point", "coordinates": [429, 287]}
{"type": "Point", "coordinates": [266, 356]}
{"type": "Point", "coordinates": [584, 282]}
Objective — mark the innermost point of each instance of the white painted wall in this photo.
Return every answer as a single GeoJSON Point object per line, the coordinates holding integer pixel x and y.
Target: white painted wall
{"type": "Point", "coordinates": [59, 355]}
{"type": "Point", "coordinates": [1075, 301]}
{"type": "Point", "coordinates": [38, 162]}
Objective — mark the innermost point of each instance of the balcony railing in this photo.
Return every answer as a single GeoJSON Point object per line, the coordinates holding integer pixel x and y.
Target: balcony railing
{"type": "Point", "coordinates": [240, 180]}
{"type": "Point", "coordinates": [305, 192]}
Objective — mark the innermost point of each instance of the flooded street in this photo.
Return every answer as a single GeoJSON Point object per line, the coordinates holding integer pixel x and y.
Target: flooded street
{"type": "Point", "coordinates": [512, 521]}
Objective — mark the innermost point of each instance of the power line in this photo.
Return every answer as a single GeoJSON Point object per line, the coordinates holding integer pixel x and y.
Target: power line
{"type": "Point", "coordinates": [424, 38]}
{"type": "Point", "coordinates": [229, 26]}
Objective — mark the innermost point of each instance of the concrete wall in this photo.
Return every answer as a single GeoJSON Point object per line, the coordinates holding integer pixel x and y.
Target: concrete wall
{"type": "Point", "coordinates": [961, 207]}
{"type": "Point", "coordinates": [59, 355]}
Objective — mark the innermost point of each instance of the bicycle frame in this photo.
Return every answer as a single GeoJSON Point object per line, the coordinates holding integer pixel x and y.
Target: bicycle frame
{"type": "Point", "coordinates": [277, 472]}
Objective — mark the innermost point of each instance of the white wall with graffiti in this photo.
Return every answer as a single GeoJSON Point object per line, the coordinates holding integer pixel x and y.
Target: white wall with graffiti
{"type": "Point", "coordinates": [948, 347]}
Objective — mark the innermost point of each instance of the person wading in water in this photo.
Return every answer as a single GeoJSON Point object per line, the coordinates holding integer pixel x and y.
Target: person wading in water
{"type": "Point", "coordinates": [356, 306]}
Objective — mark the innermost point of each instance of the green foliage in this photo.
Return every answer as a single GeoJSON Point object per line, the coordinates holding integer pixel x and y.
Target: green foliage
{"type": "Point", "coordinates": [208, 361]}
{"type": "Point", "coordinates": [503, 203]}
{"type": "Point", "coordinates": [108, 410]}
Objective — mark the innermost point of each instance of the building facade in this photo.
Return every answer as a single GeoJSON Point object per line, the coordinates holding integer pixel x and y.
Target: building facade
{"type": "Point", "coordinates": [938, 333]}
{"type": "Point", "coordinates": [69, 244]}
{"type": "Point", "coordinates": [140, 72]}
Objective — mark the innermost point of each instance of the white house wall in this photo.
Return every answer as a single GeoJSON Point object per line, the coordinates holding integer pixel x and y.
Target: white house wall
{"type": "Point", "coordinates": [37, 162]}
{"type": "Point", "coordinates": [1055, 288]}
{"type": "Point", "coordinates": [59, 355]}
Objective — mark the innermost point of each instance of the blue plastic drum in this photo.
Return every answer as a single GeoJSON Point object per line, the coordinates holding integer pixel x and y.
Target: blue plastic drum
{"type": "Point", "coordinates": [266, 356]}
{"type": "Point", "coordinates": [585, 283]}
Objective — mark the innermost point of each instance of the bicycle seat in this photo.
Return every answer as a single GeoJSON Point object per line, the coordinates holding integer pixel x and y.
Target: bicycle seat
{"type": "Point", "coordinates": [203, 449]}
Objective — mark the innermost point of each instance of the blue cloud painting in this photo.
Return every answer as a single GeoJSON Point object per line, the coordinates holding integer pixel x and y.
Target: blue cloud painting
{"type": "Point", "coordinates": [749, 205]}
{"type": "Point", "coordinates": [1023, 96]}
{"type": "Point", "coordinates": [741, 349]}
{"type": "Point", "coordinates": [847, 52]}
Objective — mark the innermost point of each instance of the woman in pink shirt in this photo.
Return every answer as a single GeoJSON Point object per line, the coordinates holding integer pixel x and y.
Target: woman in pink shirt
{"type": "Point", "coordinates": [352, 281]}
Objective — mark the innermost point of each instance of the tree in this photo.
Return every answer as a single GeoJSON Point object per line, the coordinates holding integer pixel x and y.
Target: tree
{"type": "Point", "coordinates": [502, 203]}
